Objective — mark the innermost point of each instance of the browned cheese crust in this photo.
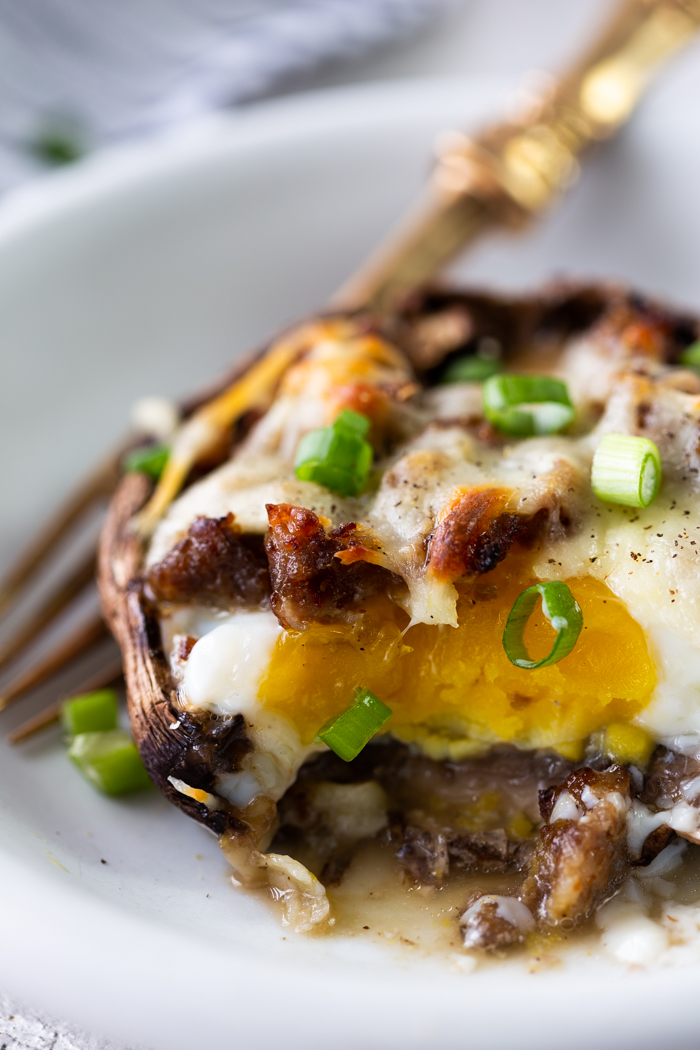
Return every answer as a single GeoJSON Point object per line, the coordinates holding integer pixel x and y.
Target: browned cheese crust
{"type": "Point", "coordinates": [476, 535]}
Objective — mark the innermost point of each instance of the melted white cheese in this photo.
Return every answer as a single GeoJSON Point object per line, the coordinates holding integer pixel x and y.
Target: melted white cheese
{"type": "Point", "coordinates": [565, 808]}
{"type": "Point", "coordinates": [648, 558]}
{"type": "Point", "coordinates": [666, 861]}
{"type": "Point", "coordinates": [675, 708]}
{"type": "Point", "coordinates": [682, 817]}
{"type": "Point", "coordinates": [514, 912]}
{"type": "Point", "coordinates": [243, 486]}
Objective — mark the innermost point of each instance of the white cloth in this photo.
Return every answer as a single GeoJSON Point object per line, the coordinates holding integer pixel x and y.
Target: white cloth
{"type": "Point", "coordinates": [23, 1030]}
{"type": "Point", "coordinates": [114, 70]}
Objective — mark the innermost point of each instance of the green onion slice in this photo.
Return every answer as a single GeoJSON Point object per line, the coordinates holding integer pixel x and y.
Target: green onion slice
{"type": "Point", "coordinates": [471, 368]}
{"type": "Point", "coordinates": [527, 405]}
{"type": "Point", "coordinates": [110, 761]}
{"type": "Point", "coordinates": [337, 457]}
{"type": "Point", "coordinates": [561, 609]}
{"type": "Point", "coordinates": [150, 460]}
{"type": "Point", "coordinates": [348, 733]}
{"type": "Point", "coordinates": [353, 421]}
{"type": "Point", "coordinates": [90, 713]}
{"type": "Point", "coordinates": [626, 470]}
{"type": "Point", "coordinates": [691, 355]}
{"type": "Point", "coordinates": [57, 146]}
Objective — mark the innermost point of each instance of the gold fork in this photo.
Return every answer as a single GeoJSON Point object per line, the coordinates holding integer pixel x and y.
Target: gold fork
{"type": "Point", "coordinates": [502, 178]}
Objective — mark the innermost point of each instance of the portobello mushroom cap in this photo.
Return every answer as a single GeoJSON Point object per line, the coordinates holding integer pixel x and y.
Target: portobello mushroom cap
{"type": "Point", "coordinates": [185, 749]}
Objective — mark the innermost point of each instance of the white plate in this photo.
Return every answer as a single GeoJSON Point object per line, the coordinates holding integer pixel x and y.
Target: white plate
{"type": "Point", "coordinates": [146, 271]}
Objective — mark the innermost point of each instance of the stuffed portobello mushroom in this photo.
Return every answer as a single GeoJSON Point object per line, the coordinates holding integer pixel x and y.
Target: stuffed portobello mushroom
{"type": "Point", "coordinates": [432, 582]}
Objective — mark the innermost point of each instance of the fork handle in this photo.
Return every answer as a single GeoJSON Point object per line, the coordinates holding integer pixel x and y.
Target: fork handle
{"type": "Point", "coordinates": [512, 171]}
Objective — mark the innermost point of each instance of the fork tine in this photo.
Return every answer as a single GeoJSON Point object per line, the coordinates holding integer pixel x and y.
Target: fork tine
{"type": "Point", "coordinates": [109, 674]}
{"type": "Point", "coordinates": [68, 649]}
{"type": "Point", "coordinates": [49, 610]}
{"type": "Point", "coordinates": [99, 484]}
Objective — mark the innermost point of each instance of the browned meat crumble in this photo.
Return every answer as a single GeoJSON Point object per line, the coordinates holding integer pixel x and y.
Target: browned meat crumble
{"type": "Point", "coordinates": [309, 582]}
{"type": "Point", "coordinates": [215, 564]}
{"type": "Point", "coordinates": [428, 856]}
{"type": "Point", "coordinates": [578, 862]}
{"type": "Point", "coordinates": [667, 774]}
{"type": "Point", "coordinates": [567, 868]}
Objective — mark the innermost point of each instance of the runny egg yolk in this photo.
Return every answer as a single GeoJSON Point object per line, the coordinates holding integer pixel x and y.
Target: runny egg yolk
{"type": "Point", "coordinates": [453, 690]}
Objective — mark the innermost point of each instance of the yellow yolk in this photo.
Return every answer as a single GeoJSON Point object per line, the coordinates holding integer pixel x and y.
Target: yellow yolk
{"type": "Point", "coordinates": [453, 690]}
{"type": "Point", "coordinates": [628, 744]}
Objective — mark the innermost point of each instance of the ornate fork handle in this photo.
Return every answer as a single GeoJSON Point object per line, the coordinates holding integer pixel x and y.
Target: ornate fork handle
{"type": "Point", "coordinates": [513, 171]}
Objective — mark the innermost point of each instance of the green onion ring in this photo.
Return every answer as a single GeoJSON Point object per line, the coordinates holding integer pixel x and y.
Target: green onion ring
{"type": "Point", "coordinates": [626, 470]}
{"type": "Point", "coordinates": [110, 761]}
{"type": "Point", "coordinates": [150, 460]}
{"type": "Point", "coordinates": [348, 733]}
{"type": "Point", "coordinates": [563, 612]}
{"type": "Point", "coordinates": [470, 368]}
{"type": "Point", "coordinates": [90, 713]}
{"type": "Point", "coordinates": [691, 355]}
{"type": "Point", "coordinates": [526, 405]}
{"type": "Point", "coordinates": [338, 457]}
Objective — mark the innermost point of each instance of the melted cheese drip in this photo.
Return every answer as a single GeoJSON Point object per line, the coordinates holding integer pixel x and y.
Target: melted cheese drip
{"type": "Point", "coordinates": [453, 691]}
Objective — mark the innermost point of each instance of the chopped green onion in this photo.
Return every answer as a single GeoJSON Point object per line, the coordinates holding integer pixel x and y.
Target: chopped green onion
{"type": "Point", "coordinates": [57, 146]}
{"type": "Point", "coordinates": [337, 457]}
{"type": "Point", "coordinates": [150, 460]}
{"type": "Point", "coordinates": [90, 713]}
{"type": "Point", "coordinates": [354, 421]}
{"type": "Point", "coordinates": [560, 608]}
{"type": "Point", "coordinates": [348, 733]}
{"type": "Point", "coordinates": [471, 368]}
{"type": "Point", "coordinates": [526, 405]}
{"type": "Point", "coordinates": [691, 355]}
{"type": "Point", "coordinates": [626, 470]}
{"type": "Point", "coordinates": [110, 761]}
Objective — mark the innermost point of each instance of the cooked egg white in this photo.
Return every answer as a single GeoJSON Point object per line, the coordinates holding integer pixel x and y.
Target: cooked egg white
{"type": "Point", "coordinates": [223, 676]}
